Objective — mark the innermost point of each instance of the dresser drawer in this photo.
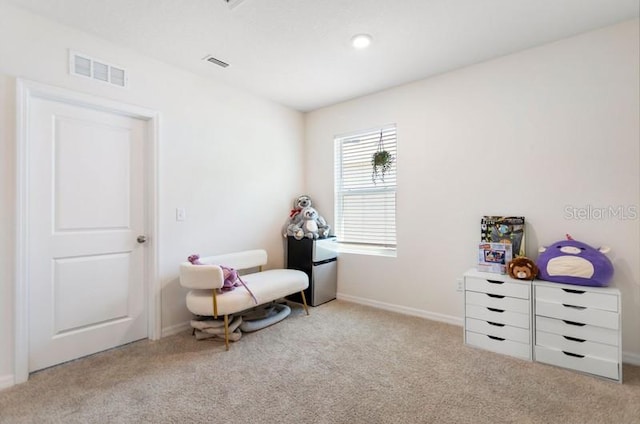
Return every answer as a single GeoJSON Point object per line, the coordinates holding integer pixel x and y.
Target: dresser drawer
{"type": "Point", "coordinates": [582, 315]}
{"type": "Point", "coordinates": [498, 301]}
{"type": "Point", "coordinates": [578, 330]}
{"type": "Point", "coordinates": [498, 316]}
{"type": "Point", "coordinates": [577, 297]}
{"type": "Point", "coordinates": [500, 287]}
{"type": "Point", "coordinates": [499, 330]}
{"type": "Point", "coordinates": [576, 345]}
{"type": "Point", "coordinates": [601, 367]}
{"type": "Point", "coordinates": [499, 345]}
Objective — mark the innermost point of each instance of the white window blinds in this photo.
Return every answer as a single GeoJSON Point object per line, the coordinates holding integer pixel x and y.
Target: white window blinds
{"type": "Point", "coordinates": [365, 202]}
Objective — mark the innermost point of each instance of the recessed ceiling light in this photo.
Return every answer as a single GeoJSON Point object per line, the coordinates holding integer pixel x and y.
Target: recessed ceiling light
{"type": "Point", "coordinates": [361, 41]}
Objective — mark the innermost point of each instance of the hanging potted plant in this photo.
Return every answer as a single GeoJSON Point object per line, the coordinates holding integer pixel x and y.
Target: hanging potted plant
{"type": "Point", "coordinates": [381, 162]}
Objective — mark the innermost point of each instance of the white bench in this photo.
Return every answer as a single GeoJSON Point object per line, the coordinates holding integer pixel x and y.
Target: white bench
{"type": "Point", "coordinates": [206, 299]}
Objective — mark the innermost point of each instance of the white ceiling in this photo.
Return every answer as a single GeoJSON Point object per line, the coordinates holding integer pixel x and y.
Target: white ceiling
{"type": "Point", "coordinates": [298, 53]}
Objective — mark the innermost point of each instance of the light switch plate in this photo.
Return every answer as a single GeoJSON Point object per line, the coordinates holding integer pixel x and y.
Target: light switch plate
{"type": "Point", "coordinates": [181, 214]}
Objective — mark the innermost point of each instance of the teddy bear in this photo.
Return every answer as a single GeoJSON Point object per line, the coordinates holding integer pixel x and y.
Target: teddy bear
{"type": "Point", "coordinates": [522, 269]}
{"type": "Point", "coordinates": [304, 221]}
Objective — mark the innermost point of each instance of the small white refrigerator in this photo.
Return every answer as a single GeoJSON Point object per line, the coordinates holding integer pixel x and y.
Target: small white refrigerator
{"type": "Point", "coordinates": [319, 260]}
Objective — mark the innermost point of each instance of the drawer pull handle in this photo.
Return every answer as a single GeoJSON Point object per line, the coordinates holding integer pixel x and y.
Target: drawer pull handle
{"type": "Point", "coordinates": [500, 339]}
{"type": "Point", "coordinates": [495, 324]}
{"type": "Point", "coordinates": [579, 324]}
{"type": "Point", "coordinates": [574, 339]}
{"type": "Point", "coordinates": [574, 306]}
{"type": "Point", "coordinates": [495, 310]}
{"type": "Point", "coordinates": [495, 282]}
{"type": "Point", "coordinates": [575, 355]}
{"type": "Point", "coordinates": [574, 291]}
{"type": "Point", "coordinates": [496, 296]}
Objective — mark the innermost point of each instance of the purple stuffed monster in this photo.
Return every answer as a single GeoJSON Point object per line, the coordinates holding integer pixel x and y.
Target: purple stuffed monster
{"type": "Point", "coordinates": [572, 262]}
{"type": "Point", "coordinates": [231, 277]}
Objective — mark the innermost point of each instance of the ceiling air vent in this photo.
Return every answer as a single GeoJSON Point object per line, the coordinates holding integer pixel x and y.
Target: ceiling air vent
{"type": "Point", "coordinates": [218, 62]}
{"type": "Point", "coordinates": [233, 3]}
{"type": "Point", "coordinates": [85, 66]}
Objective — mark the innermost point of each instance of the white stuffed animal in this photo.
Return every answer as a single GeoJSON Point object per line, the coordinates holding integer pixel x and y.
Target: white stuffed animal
{"type": "Point", "coordinates": [296, 220]}
{"type": "Point", "coordinates": [304, 221]}
{"type": "Point", "coordinates": [313, 226]}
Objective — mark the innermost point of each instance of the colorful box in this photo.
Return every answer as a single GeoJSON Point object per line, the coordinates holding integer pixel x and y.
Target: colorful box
{"type": "Point", "coordinates": [504, 229]}
{"type": "Point", "coordinates": [494, 257]}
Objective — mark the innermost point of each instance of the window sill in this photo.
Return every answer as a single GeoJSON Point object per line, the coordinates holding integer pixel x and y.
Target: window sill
{"type": "Point", "coordinates": [358, 249]}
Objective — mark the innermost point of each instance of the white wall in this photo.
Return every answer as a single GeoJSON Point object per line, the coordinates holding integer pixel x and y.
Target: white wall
{"type": "Point", "coordinates": [558, 125]}
{"type": "Point", "coordinates": [214, 146]}
{"type": "Point", "coordinates": [527, 134]}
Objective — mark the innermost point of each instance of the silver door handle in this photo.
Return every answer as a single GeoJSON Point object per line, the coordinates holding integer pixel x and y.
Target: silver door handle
{"type": "Point", "coordinates": [141, 239]}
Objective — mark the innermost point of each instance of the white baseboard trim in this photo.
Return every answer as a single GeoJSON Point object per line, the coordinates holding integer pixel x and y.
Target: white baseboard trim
{"type": "Point", "coordinates": [434, 316]}
{"type": "Point", "coordinates": [6, 381]}
{"type": "Point", "coordinates": [627, 357]}
{"type": "Point", "coordinates": [631, 358]}
{"type": "Point", "coordinates": [175, 329]}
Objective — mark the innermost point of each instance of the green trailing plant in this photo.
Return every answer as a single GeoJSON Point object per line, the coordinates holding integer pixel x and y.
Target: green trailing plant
{"type": "Point", "coordinates": [381, 162]}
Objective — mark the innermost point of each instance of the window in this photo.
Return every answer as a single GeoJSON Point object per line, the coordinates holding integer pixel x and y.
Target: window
{"type": "Point", "coordinates": [365, 204]}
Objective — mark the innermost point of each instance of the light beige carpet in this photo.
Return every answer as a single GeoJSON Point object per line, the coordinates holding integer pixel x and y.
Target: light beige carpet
{"type": "Point", "coordinates": [345, 363]}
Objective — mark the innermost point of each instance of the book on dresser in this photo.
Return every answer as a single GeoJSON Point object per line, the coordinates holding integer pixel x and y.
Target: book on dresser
{"type": "Point", "coordinates": [504, 229]}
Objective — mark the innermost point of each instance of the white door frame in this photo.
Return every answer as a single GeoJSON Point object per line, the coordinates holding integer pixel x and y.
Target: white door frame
{"type": "Point", "coordinates": [25, 91]}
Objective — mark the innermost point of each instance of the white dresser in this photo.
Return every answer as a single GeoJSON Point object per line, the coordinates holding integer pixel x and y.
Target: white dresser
{"type": "Point", "coordinates": [578, 327]}
{"type": "Point", "coordinates": [498, 313]}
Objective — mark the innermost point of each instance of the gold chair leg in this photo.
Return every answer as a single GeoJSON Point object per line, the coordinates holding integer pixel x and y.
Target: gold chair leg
{"type": "Point", "coordinates": [215, 304]}
{"type": "Point", "coordinates": [226, 331]}
{"type": "Point", "coordinates": [304, 302]}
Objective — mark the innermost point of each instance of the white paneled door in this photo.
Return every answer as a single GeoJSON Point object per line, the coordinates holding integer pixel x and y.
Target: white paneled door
{"type": "Point", "coordinates": [86, 213]}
